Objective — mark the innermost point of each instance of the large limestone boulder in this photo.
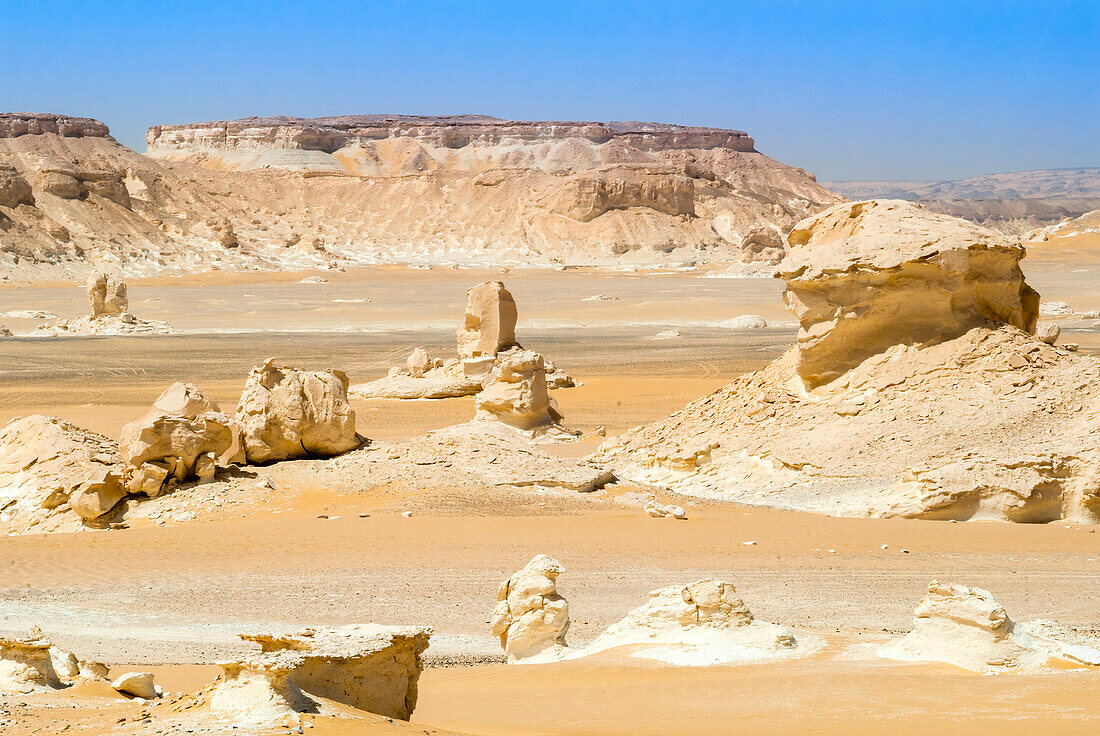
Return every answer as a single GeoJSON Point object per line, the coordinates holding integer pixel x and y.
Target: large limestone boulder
{"type": "Point", "coordinates": [48, 464]}
{"type": "Point", "coordinates": [968, 628]}
{"type": "Point", "coordinates": [531, 618]}
{"type": "Point", "coordinates": [183, 436]}
{"type": "Point", "coordinates": [490, 322]}
{"type": "Point", "coordinates": [515, 393]}
{"type": "Point", "coordinates": [26, 664]}
{"type": "Point", "coordinates": [702, 623]}
{"type": "Point", "coordinates": [107, 295]}
{"type": "Point", "coordinates": [865, 276]}
{"type": "Point", "coordinates": [286, 413]}
{"type": "Point", "coordinates": [369, 667]}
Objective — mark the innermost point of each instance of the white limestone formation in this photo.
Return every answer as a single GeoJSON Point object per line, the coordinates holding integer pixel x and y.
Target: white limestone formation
{"type": "Point", "coordinates": [531, 618]}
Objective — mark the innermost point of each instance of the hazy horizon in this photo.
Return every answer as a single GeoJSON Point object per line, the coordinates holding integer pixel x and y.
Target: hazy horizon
{"type": "Point", "coordinates": [853, 91]}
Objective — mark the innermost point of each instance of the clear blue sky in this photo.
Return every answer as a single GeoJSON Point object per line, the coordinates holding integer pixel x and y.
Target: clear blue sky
{"type": "Point", "coordinates": [869, 90]}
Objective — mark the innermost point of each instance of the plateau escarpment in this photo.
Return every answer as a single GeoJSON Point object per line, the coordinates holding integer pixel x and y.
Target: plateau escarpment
{"type": "Point", "coordinates": [479, 189]}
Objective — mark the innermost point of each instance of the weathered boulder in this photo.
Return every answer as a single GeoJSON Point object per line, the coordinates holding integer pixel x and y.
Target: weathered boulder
{"type": "Point", "coordinates": [14, 189]}
{"type": "Point", "coordinates": [258, 690]}
{"type": "Point", "coordinates": [107, 295]}
{"type": "Point", "coordinates": [183, 432]}
{"type": "Point", "coordinates": [26, 665]}
{"type": "Point", "coordinates": [138, 684]}
{"type": "Point", "coordinates": [968, 628]}
{"type": "Point", "coordinates": [864, 276]}
{"type": "Point", "coordinates": [490, 322]}
{"type": "Point", "coordinates": [370, 667]}
{"type": "Point", "coordinates": [515, 393]}
{"type": "Point", "coordinates": [531, 618]}
{"type": "Point", "coordinates": [418, 362]}
{"type": "Point", "coordinates": [285, 413]}
{"type": "Point", "coordinates": [46, 463]}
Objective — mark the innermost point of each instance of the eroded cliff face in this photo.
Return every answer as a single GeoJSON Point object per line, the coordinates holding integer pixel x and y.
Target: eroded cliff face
{"type": "Point", "coordinates": [284, 194]}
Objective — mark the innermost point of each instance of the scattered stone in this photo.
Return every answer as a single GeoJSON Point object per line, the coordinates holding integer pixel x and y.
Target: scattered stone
{"type": "Point", "coordinates": [1055, 309]}
{"type": "Point", "coordinates": [745, 322]}
{"type": "Point", "coordinates": [1048, 332]}
{"type": "Point", "coordinates": [660, 511]}
{"type": "Point", "coordinates": [667, 335]}
{"type": "Point", "coordinates": [138, 684]}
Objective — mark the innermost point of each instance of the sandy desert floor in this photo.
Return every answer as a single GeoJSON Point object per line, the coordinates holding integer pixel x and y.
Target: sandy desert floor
{"type": "Point", "coordinates": [174, 596]}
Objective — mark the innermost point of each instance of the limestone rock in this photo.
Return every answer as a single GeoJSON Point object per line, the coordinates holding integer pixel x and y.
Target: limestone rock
{"type": "Point", "coordinates": [968, 628]}
{"type": "Point", "coordinates": [661, 511]}
{"type": "Point", "coordinates": [183, 430]}
{"type": "Point", "coordinates": [701, 623]}
{"type": "Point", "coordinates": [1048, 333]}
{"type": "Point", "coordinates": [107, 295]}
{"type": "Point", "coordinates": [258, 690]}
{"type": "Point", "coordinates": [865, 276]}
{"type": "Point", "coordinates": [490, 322]}
{"type": "Point", "coordinates": [418, 362]}
{"type": "Point", "coordinates": [531, 617]}
{"type": "Point", "coordinates": [369, 667]}
{"type": "Point", "coordinates": [14, 189]}
{"type": "Point", "coordinates": [26, 665]}
{"type": "Point", "coordinates": [516, 395]}
{"type": "Point", "coordinates": [286, 413]}
{"type": "Point", "coordinates": [46, 462]}
{"type": "Point", "coordinates": [138, 684]}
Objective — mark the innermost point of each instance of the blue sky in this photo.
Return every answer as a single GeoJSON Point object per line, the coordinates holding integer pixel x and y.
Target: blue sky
{"type": "Point", "coordinates": [886, 90]}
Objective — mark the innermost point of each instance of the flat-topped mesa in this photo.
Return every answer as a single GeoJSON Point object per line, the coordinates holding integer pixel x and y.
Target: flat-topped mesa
{"type": "Point", "coordinates": [865, 276]}
{"type": "Point", "coordinates": [15, 124]}
{"type": "Point", "coordinates": [450, 131]}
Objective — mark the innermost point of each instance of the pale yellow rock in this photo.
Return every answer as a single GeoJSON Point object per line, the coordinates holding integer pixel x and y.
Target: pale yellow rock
{"type": "Point", "coordinates": [286, 413]}
{"type": "Point", "coordinates": [418, 362]}
{"type": "Point", "coordinates": [258, 690]}
{"type": "Point", "coordinates": [531, 618]}
{"type": "Point", "coordinates": [26, 664]}
{"type": "Point", "coordinates": [490, 322]}
{"type": "Point", "coordinates": [138, 684]}
{"type": "Point", "coordinates": [515, 393]}
{"type": "Point", "coordinates": [107, 295]}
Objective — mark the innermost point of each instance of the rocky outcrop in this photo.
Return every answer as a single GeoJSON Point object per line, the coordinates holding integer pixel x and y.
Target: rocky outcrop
{"type": "Point", "coordinates": [968, 628]}
{"type": "Point", "coordinates": [285, 413]}
{"type": "Point", "coordinates": [701, 623]}
{"type": "Point", "coordinates": [489, 324]}
{"type": "Point", "coordinates": [15, 124]}
{"type": "Point", "coordinates": [184, 436]}
{"type": "Point", "coordinates": [915, 389]}
{"type": "Point", "coordinates": [586, 197]}
{"type": "Point", "coordinates": [48, 465]}
{"type": "Point", "coordinates": [866, 276]}
{"type": "Point", "coordinates": [26, 665]}
{"type": "Point", "coordinates": [515, 393]}
{"type": "Point", "coordinates": [369, 667]}
{"type": "Point", "coordinates": [257, 690]}
{"type": "Point", "coordinates": [107, 295]}
{"type": "Point", "coordinates": [531, 618]}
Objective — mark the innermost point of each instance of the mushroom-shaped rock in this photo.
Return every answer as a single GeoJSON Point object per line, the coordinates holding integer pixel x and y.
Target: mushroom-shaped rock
{"type": "Point", "coordinates": [138, 684]}
{"type": "Point", "coordinates": [370, 667]}
{"type": "Point", "coordinates": [864, 276]}
{"type": "Point", "coordinates": [531, 618]}
{"type": "Point", "coordinates": [515, 393]}
{"type": "Point", "coordinates": [107, 295]}
{"type": "Point", "coordinates": [46, 462]}
{"type": "Point", "coordinates": [26, 664]}
{"type": "Point", "coordinates": [490, 322]}
{"type": "Point", "coordinates": [183, 431]}
{"type": "Point", "coordinates": [286, 413]}
{"type": "Point", "coordinates": [968, 628]}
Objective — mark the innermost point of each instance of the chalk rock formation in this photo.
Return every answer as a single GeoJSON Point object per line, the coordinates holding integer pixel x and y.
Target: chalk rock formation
{"type": "Point", "coordinates": [701, 623]}
{"type": "Point", "coordinates": [26, 665]}
{"type": "Point", "coordinates": [865, 276]}
{"type": "Point", "coordinates": [531, 617]}
{"type": "Point", "coordinates": [107, 295]}
{"type": "Point", "coordinates": [184, 434]}
{"type": "Point", "coordinates": [968, 628]}
{"type": "Point", "coordinates": [285, 413]}
{"type": "Point", "coordinates": [490, 322]}
{"type": "Point", "coordinates": [258, 690]}
{"type": "Point", "coordinates": [915, 389]}
{"type": "Point", "coordinates": [48, 465]}
{"type": "Point", "coordinates": [516, 395]}
{"type": "Point", "coordinates": [370, 667]}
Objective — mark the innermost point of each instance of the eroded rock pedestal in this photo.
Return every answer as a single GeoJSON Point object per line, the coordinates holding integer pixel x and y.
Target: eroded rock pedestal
{"type": "Point", "coordinates": [968, 628]}
{"type": "Point", "coordinates": [916, 388]}
{"type": "Point", "coordinates": [531, 618]}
